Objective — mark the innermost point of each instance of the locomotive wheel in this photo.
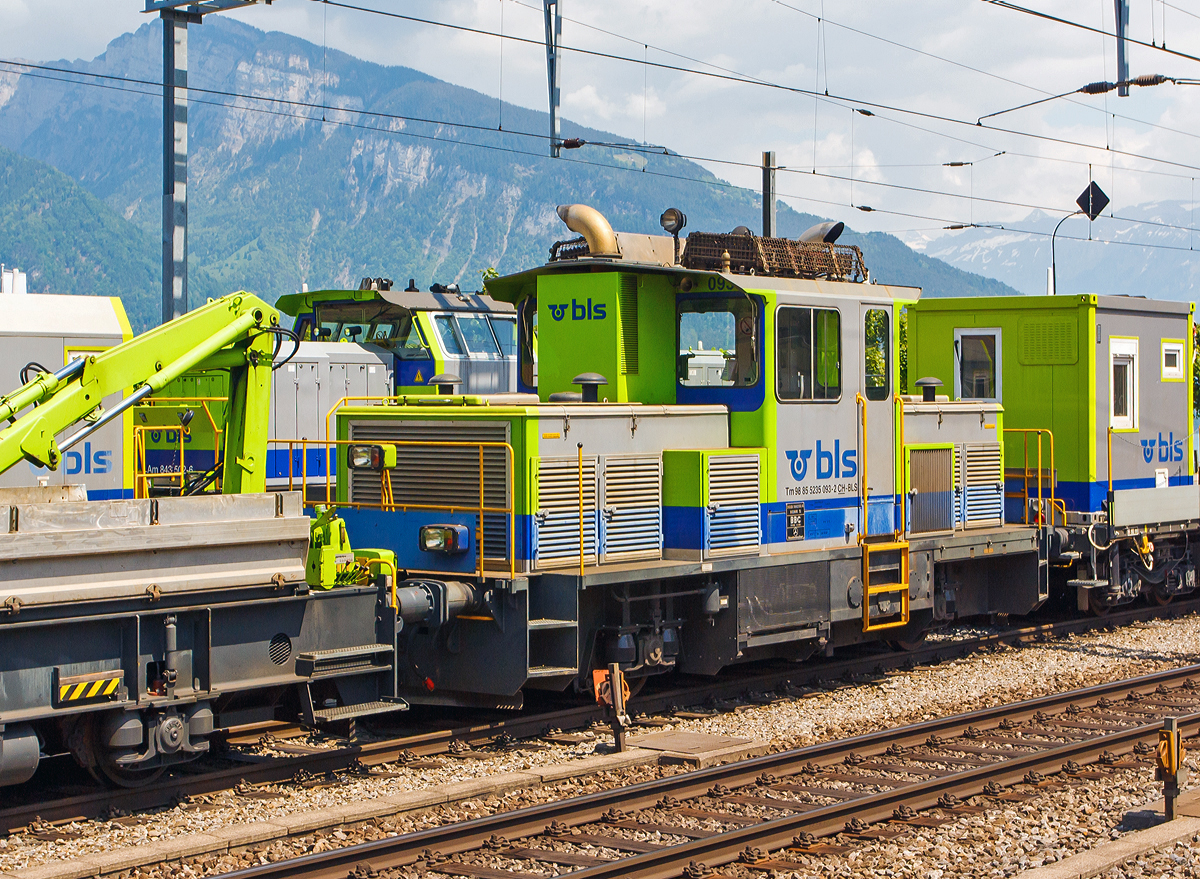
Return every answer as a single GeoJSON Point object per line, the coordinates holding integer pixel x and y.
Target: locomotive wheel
{"type": "Point", "coordinates": [1096, 604]}
{"type": "Point", "coordinates": [1158, 595]}
{"type": "Point", "coordinates": [907, 645]}
{"type": "Point", "coordinates": [636, 685]}
{"type": "Point", "coordinates": [107, 771]}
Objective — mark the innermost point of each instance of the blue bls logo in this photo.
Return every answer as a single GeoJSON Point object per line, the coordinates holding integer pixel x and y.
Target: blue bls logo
{"type": "Point", "coordinates": [1169, 449]}
{"type": "Point", "coordinates": [579, 311]}
{"type": "Point", "coordinates": [834, 464]}
{"type": "Point", "coordinates": [87, 461]}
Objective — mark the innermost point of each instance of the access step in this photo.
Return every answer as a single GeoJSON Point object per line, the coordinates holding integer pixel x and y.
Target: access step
{"type": "Point", "coordinates": [551, 671]}
{"type": "Point", "coordinates": [553, 624]}
{"type": "Point", "coordinates": [1087, 584]}
{"type": "Point", "coordinates": [353, 712]}
{"type": "Point", "coordinates": [344, 660]}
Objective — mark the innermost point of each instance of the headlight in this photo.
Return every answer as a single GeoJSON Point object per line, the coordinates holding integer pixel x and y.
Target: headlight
{"type": "Point", "coordinates": [372, 457]}
{"type": "Point", "coordinates": [444, 538]}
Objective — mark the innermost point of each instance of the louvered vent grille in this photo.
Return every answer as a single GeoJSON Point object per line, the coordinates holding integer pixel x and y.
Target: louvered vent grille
{"type": "Point", "coordinates": [558, 511]}
{"type": "Point", "coordinates": [632, 508]}
{"type": "Point", "coordinates": [984, 484]}
{"type": "Point", "coordinates": [442, 475]}
{"type": "Point", "coordinates": [733, 516]}
{"type": "Point", "coordinates": [627, 305]}
{"type": "Point", "coordinates": [958, 487]}
{"type": "Point", "coordinates": [931, 477]}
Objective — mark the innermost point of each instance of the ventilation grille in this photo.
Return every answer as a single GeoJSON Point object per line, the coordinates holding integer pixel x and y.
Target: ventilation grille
{"type": "Point", "coordinates": [632, 508]}
{"type": "Point", "coordinates": [443, 475]}
{"type": "Point", "coordinates": [931, 478]}
{"type": "Point", "coordinates": [984, 484]}
{"type": "Point", "coordinates": [557, 517]}
{"type": "Point", "coordinates": [280, 649]}
{"type": "Point", "coordinates": [733, 515]}
{"type": "Point", "coordinates": [627, 305]}
{"type": "Point", "coordinates": [1048, 343]}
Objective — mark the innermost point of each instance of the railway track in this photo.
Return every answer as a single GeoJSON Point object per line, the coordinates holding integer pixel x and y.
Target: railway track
{"type": "Point", "coordinates": [361, 756]}
{"type": "Point", "coordinates": [950, 765]}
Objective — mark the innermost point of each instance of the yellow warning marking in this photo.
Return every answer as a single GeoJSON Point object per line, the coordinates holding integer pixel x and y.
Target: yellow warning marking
{"type": "Point", "coordinates": [88, 689]}
{"type": "Point", "coordinates": [112, 686]}
{"type": "Point", "coordinates": [62, 693]}
{"type": "Point", "coordinates": [94, 689]}
{"type": "Point", "coordinates": [551, 436]}
{"type": "Point", "coordinates": [78, 691]}
{"type": "Point", "coordinates": [418, 378]}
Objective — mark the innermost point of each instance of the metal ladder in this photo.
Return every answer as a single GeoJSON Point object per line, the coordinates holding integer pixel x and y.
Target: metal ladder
{"type": "Point", "coordinates": [885, 571]}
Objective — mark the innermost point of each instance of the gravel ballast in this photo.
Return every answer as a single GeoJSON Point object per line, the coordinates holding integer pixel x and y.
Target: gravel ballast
{"type": "Point", "coordinates": [1001, 843]}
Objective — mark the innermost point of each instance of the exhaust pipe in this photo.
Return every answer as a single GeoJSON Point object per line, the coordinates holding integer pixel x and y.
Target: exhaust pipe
{"type": "Point", "coordinates": [590, 223]}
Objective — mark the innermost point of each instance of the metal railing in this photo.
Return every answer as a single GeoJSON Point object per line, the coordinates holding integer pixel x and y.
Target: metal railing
{"type": "Point", "coordinates": [142, 478]}
{"type": "Point", "coordinates": [388, 503]}
{"type": "Point", "coordinates": [1056, 506]}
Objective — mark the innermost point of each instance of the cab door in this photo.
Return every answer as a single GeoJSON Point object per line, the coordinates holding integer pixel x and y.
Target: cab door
{"type": "Point", "coordinates": [877, 376]}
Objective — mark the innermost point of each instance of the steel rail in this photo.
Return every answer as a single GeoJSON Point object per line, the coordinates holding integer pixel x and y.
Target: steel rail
{"type": "Point", "coordinates": [728, 686]}
{"type": "Point", "coordinates": [725, 846]}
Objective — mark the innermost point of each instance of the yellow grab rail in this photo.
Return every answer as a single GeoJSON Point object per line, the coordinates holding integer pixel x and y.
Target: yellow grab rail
{"type": "Point", "coordinates": [861, 402]}
{"type": "Point", "coordinates": [1051, 479]}
{"type": "Point", "coordinates": [387, 498]}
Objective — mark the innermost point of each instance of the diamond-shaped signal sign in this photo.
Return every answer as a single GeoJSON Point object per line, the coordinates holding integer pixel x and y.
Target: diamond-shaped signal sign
{"type": "Point", "coordinates": [1092, 201]}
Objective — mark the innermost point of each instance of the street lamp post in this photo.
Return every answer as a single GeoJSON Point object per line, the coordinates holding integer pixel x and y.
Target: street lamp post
{"type": "Point", "coordinates": [1091, 202]}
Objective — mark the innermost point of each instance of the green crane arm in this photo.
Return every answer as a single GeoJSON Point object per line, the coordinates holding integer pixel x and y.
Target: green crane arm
{"type": "Point", "coordinates": [233, 332]}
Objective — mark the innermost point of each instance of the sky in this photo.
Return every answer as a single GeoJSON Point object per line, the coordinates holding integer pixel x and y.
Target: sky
{"type": "Point", "coordinates": [926, 70]}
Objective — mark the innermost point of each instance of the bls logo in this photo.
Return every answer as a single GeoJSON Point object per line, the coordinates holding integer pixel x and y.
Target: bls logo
{"type": "Point", "coordinates": [579, 311]}
{"type": "Point", "coordinates": [1169, 449]}
{"type": "Point", "coordinates": [834, 464]}
{"type": "Point", "coordinates": [87, 461]}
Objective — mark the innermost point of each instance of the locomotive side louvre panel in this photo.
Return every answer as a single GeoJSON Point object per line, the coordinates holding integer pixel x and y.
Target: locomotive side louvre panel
{"type": "Point", "coordinates": [733, 508]}
{"type": "Point", "coordinates": [931, 488]}
{"type": "Point", "coordinates": [443, 475]}
{"type": "Point", "coordinates": [631, 506]}
{"type": "Point", "coordinates": [557, 522]}
{"type": "Point", "coordinates": [983, 484]}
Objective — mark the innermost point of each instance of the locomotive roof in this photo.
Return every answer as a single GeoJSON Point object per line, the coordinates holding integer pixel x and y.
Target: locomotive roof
{"type": "Point", "coordinates": [294, 304]}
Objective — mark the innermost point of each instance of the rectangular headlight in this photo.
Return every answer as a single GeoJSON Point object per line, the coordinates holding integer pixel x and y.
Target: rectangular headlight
{"type": "Point", "coordinates": [444, 538]}
{"type": "Point", "coordinates": [372, 457]}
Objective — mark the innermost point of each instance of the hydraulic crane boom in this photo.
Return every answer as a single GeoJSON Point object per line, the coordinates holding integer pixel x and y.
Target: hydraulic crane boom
{"type": "Point", "coordinates": [235, 332]}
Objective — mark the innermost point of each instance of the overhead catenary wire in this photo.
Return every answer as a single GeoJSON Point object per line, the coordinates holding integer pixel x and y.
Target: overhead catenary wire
{"type": "Point", "coordinates": [485, 128]}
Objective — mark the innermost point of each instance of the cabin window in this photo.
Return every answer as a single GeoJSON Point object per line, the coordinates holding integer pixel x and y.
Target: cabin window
{"type": "Point", "coordinates": [476, 331]}
{"type": "Point", "coordinates": [717, 343]}
{"type": "Point", "coordinates": [449, 338]}
{"type": "Point", "coordinates": [1123, 414]}
{"type": "Point", "coordinates": [528, 332]}
{"type": "Point", "coordinates": [876, 348]}
{"type": "Point", "coordinates": [808, 348]}
{"type": "Point", "coordinates": [1172, 360]}
{"type": "Point", "coordinates": [304, 329]}
{"type": "Point", "coordinates": [409, 345]}
{"type": "Point", "coordinates": [979, 376]}
{"type": "Point", "coordinates": [506, 334]}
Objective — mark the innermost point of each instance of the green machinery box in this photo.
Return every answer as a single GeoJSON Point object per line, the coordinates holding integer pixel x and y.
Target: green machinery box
{"type": "Point", "coordinates": [1088, 369]}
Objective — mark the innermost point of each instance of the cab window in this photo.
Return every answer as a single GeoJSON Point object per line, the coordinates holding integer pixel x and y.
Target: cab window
{"type": "Point", "coordinates": [411, 346]}
{"type": "Point", "coordinates": [876, 348]}
{"type": "Point", "coordinates": [717, 344]}
{"type": "Point", "coordinates": [979, 375]}
{"type": "Point", "coordinates": [477, 333]}
{"type": "Point", "coordinates": [449, 339]}
{"type": "Point", "coordinates": [808, 353]}
{"type": "Point", "coordinates": [506, 334]}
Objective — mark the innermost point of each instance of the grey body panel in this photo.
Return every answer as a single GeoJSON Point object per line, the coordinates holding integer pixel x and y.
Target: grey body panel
{"type": "Point", "coordinates": [1151, 506]}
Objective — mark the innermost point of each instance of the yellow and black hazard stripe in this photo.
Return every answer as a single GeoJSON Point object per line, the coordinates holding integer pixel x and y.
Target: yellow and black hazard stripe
{"type": "Point", "coordinates": [78, 689]}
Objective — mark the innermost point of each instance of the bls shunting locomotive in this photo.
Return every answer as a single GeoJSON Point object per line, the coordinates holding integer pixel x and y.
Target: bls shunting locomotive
{"type": "Point", "coordinates": [716, 465]}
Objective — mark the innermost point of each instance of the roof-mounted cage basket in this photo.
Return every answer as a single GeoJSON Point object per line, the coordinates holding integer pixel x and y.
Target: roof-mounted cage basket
{"type": "Point", "coordinates": [774, 257]}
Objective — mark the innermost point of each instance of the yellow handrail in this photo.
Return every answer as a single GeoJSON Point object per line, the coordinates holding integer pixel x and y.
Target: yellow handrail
{"type": "Point", "coordinates": [861, 402]}
{"type": "Point", "coordinates": [903, 475]}
{"type": "Point", "coordinates": [580, 510]}
{"type": "Point", "coordinates": [1052, 479]}
{"type": "Point", "coordinates": [1110, 479]}
{"type": "Point", "coordinates": [387, 498]}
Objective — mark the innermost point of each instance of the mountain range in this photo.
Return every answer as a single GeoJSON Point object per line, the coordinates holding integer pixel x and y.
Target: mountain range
{"type": "Point", "coordinates": [282, 194]}
{"type": "Point", "coordinates": [1151, 253]}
